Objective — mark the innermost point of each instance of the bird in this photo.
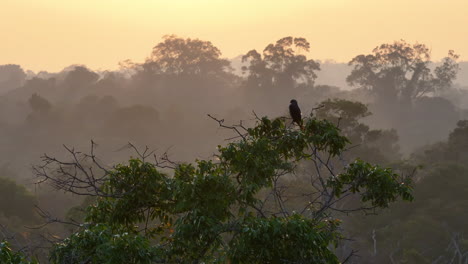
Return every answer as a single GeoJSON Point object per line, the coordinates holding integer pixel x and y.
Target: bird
{"type": "Point", "coordinates": [295, 113]}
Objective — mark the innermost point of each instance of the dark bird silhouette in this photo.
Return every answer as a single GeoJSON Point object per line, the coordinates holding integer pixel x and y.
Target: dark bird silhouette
{"type": "Point", "coordinates": [295, 112]}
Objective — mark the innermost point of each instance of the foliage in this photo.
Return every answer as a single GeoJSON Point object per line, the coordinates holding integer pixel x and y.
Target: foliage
{"type": "Point", "coordinates": [97, 244]}
{"type": "Point", "coordinates": [220, 210]}
{"type": "Point", "coordinates": [259, 238]}
{"type": "Point", "coordinates": [447, 72]}
{"type": "Point", "coordinates": [182, 68]}
{"type": "Point", "coordinates": [376, 181]}
{"type": "Point", "coordinates": [431, 229]}
{"type": "Point", "coordinates": [400, 72]}
{"type": "Point", "coordinates": [178, 56]}
{"type": "Point", "coordinates": [8, 256]}
{"type": "Point", "coordinates": [376, 145]}
{"type": "Point", "coordinates": [281, 65]}
{"type": "Point", "coordinates": [16, 201]}
{"type": "Point", "coordinates": [11, 76]}
{"type": "Point", "coordinates": [80, 77]}
{"type": "Point", "coordinates": [451, 151]}
{"type": "Point", "coordinates": [347, 115]}
{"type": "Point", "coordinates": [39, 104]}
{"type": "Point", "coordinates": [458, 138]}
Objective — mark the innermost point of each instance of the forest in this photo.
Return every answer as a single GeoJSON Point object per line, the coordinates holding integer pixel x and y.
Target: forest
{"type": "Point", "coordinates": [189, 157]}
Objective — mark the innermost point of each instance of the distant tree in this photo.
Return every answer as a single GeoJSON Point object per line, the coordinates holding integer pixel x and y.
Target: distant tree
{"type": "Point", "coordinates": [16, 201]}
{"type": "Point", "coordinates": [281, 65]}
{"type": "Point", "coordinates": [80, 77]}
{"type": "Point", "coordinates": [347, 116]}
{"type": "Point", "coordinates": [458, 138]}
{"type": "Point", "coordinates": [8, 256]}
{"type": "Point", "coordinates": [111, 82]}
{"type": "Point", "coordinates": [453, 150]}
{"type": "Point", "coordinates": [371, 144]}
{"type": "Point", "coordinates": [136, 121]}
{"type": "Point", "coordinates": [17, 210]}
{"type": "Point", "coordinates": [244, 206]}
{"type": "Point", "coordinates": [40, 85]}
{"type": "Point", "coordinates": [178, 56]}
{"type": "Point", "coordinates": [435, 220]}
{"type": "Point", "coordinates": [446, 73]}
{"type": "Point", "coordinates": [39, 104]}
{"type": "Point", "coordinates": [11, 76]}
{"type": "Point", "coordinates": [399, 72]}
{"type": "Point", "coordinates": [183, 67]}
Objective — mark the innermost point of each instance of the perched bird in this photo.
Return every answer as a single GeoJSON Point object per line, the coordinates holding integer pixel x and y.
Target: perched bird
{"type": "Point", "coordinates": [295, 112]}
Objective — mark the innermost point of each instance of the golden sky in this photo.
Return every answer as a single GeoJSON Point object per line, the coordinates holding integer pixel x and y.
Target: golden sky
{"type": "Point", "coordinates": [52, 34]}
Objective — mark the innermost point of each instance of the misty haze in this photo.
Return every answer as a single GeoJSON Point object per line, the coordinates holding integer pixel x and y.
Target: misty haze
{"type": "Point", "coordinates": [270, 155]}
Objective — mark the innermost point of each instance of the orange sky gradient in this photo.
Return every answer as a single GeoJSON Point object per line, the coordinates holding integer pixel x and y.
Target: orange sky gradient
{"type": "Point", "coordinates": [52, 34]}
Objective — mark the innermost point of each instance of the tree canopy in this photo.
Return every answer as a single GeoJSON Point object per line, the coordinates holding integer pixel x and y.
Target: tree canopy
{"type": "Point", "coordinates": [234, 208]}
{"type": "Point", "coordinates": [400, 72]}
{"type": "Point", "coordinates": [178, 56]}
{"type": "Point", "coordinates": [282, 65]}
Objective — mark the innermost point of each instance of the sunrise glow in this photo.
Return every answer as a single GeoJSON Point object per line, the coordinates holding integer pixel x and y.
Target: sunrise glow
{"type": "Point", "coordinates": [52, 34]}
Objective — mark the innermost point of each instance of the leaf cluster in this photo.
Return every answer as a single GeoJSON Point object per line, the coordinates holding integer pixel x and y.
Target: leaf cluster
{"type": "Point", "coordinates": [7, 255]}
{"type": "Point", "coordinates": [214, 210]}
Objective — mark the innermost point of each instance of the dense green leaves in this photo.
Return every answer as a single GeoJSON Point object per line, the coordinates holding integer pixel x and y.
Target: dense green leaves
{"type": "Point", "coordinates": [135, 191]}
{"type": "Point", "coordinates": [379, 146]}
{"type": "Point", "coordinates": [219, 210]}
{"type": "Point", "coordinates": [8, 256]}
{"type": "Point", "coordinates": [380, 186]}
{"type": "Point", "coordinates": [98, 244]}
{"type": "Point", "coordinates": [294, 239]}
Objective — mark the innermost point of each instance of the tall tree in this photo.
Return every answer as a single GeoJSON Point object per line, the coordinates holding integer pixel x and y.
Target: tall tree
{"type": "Point", "coordinates": [281, 65]}
{"type": "Point", "coordinates": [244, 206]}
{"type": "Point", "coordinates": [400, 72]}
{"type": "Point", "coordinates": [189, 68]}
{"type": "Point", "coordinates": [375, 145]}
{"type": "Point", "coordinates": [80, 77]}
{"type": "Point", "coordinates": [178, 56]}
